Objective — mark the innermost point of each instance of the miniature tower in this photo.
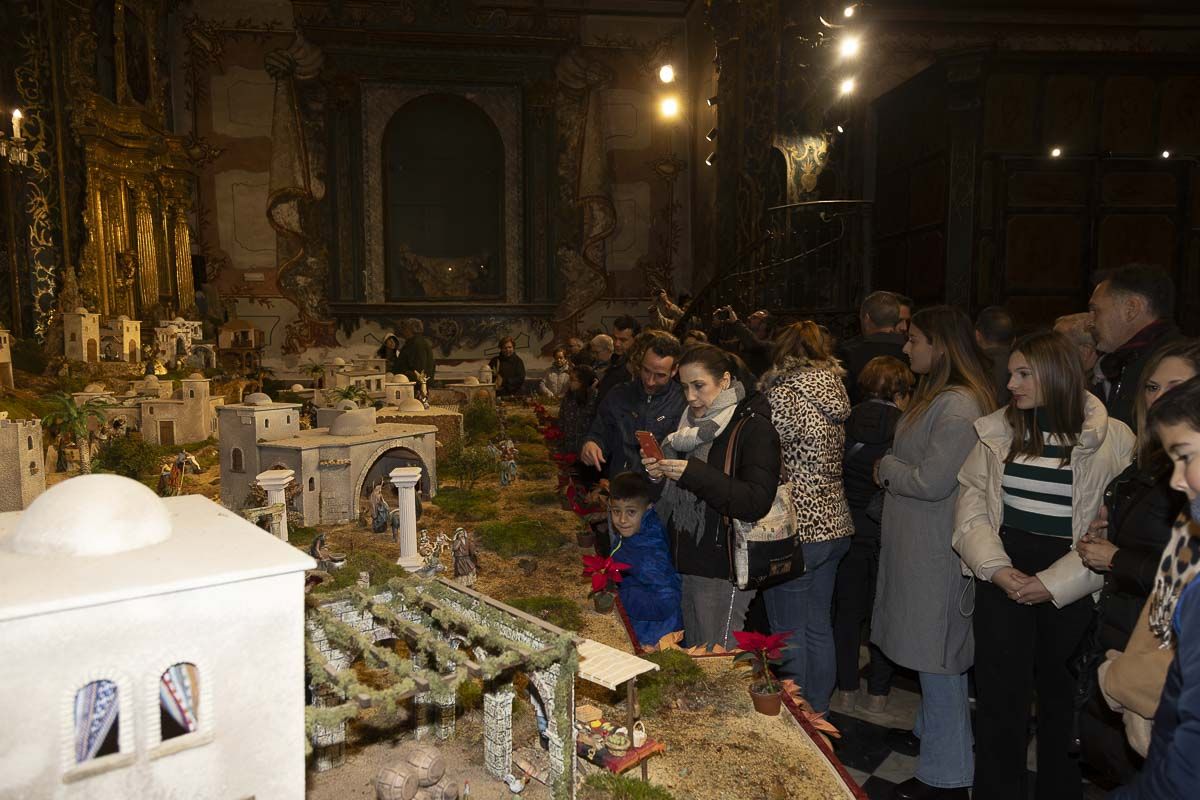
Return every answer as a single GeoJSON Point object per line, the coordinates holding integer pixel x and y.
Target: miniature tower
{"type": "Point", "coordinates": [22, 462]}
{"type": "Point", "coordinates": [242, 426]}
{"type": "Point", "coordinates": [81, 333]}
{"type": "Point", "coordinates": [129, 333]}
{"type": "Point", "coordinates": [6, 368]}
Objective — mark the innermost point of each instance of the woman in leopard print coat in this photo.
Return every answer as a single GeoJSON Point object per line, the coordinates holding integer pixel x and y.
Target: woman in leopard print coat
{"type": "Point", "coordinates": [808, 408]}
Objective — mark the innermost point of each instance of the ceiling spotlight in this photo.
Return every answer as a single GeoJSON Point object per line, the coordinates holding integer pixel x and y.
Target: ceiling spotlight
{"type": "Point", "coordinates": [712, 101]}
{"type": "Point", "coordinates": [711, 135]}
{"type": "Point", "coordinates": [840, 129]}
{"type": "Point", "coordinates": [847, 86]}
{"type": "Point", "coordinates": [1166, 153]}
{"type": "Point", "coordinates": [712, 157]}
{"type": "Point", "coordinates": [848, 11]}
{"type": "Point", "coordinates": [669, 107]}
{"type": "Point", "coordinates": [666, 73]}
{"type": "Point", "coordinates": [848, 47]}
{"type": "Point", "coordinates": [1056, 152]}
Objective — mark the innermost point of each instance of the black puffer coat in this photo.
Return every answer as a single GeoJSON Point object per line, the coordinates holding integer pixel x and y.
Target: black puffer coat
{"type": "Point", "coordinates": [869, 433]}
{"type": "Point", "coordinates": [746, 496]}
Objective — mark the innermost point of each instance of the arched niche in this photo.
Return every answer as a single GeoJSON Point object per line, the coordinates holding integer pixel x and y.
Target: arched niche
{"type": "Point", "coordinates": [443, 190]}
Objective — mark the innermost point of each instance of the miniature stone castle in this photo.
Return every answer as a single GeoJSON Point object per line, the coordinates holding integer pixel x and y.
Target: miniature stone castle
{"type": "Point", "coordinates": [335, 464]}
{"type": "Point", "coordinates": [22, 463]}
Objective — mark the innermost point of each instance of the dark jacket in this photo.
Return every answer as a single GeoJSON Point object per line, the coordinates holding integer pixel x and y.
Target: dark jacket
{"type": "Point", "coordinates": [391, 353]}
{"type": "Point", "coordinates": [416, 356]}
{"type": "Point", "coordinates": [1172, 770]}
{"type": "Point", "coordinates": [999, 358]}
{"type": "Point", "coordinates": [614, 375]}
{"type": "Point", "coordinates": [747, 495]}
{"type": "Point", "coordinates": [855, 353]}
{"type": "Point", "coordinates": [510, 371]}
{"type": "Point", "coordinates": [651, 590]}
{"type": "Point", "coordinates": [628, 409]}
{"type": "Point", "coordinates": [574, 419]}
{"type": "Point", "coordinates": [1141, 513]}
{"type": "Point", "coordinates": [1127, 366]}
{"type": "Point", "coordinates": [869, 433]}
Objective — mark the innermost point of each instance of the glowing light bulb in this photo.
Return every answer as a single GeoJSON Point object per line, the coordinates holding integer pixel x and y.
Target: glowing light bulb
{"type": "Point", "coordinates": [847, 86]}
{"type": "Point", "coordinates": [1166, 153]}
{"type": "Point", "coordinates": [849, 47]}
{"type": "Point", "coordinates": [848, 11]}
{"type": "Point", "coordinates": [840, 129]}
{"type": "Point", "coordinates": [1056, 152]}
{"type": "Point", "coordinates": [669, 107]}
{"type": "Point", "coordinates": [666, 73]}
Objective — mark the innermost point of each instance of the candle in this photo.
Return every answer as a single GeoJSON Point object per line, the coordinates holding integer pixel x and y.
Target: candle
{"type": "Point", "coordinates": [17, 123]}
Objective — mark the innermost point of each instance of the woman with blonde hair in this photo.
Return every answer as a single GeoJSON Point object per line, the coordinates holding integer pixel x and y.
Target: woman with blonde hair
{"type": "Point", "coordinates": [921, 619]}
{"type": "Point", "coordinates": [808, 408]}
{"type": "Point", "coordinates": [1030, 488]}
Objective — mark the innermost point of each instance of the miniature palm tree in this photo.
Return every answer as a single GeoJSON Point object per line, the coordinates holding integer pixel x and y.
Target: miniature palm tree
{"type": "Point", "coordinates": [69, 422]}
{"type": "Point", "coordinates": [354, 393]}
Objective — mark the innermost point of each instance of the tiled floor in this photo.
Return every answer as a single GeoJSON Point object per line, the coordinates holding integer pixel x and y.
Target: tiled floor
{"type": "Point", "coordinates": [864, 751]}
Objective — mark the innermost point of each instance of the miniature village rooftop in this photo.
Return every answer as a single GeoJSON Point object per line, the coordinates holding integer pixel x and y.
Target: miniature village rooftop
{"type": "Point", "coordinates": [318, 437]}
{"type": "Point", "coordinates": [100, 539]}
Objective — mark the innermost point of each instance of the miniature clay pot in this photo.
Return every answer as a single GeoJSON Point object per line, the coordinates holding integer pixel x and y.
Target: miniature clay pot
{"type": "Point", "coordinates": [603, 602]}
{"type": "Point", "coordinates": [585, 538]}
{"type": "Point", "coordinates": [767, 703]}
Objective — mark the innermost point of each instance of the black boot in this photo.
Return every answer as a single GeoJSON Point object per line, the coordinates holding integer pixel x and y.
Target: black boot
{"type": "Point", "coordinates": [903, 741]}
{"type": "Point", "coordinates": [913, 789]}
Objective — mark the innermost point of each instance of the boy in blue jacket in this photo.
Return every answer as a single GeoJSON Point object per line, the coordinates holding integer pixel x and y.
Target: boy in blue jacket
{"type": "Point", "coordinates": [650, 590]}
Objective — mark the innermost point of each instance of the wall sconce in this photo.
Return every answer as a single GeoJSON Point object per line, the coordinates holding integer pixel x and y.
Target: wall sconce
{"type": "Point", "coordinates": [712, 158]}
{"type": "Point", "coordinates": [669, 107]}
{"type": "Point", "coordinates": [712, 101]}
{"type": "Point", "coordinates": [666, 73]}
{"type": "Point", "coordinates": [711, 135]}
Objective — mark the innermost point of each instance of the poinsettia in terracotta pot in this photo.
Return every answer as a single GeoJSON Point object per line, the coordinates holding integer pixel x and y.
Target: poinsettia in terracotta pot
{"type": "Point", "coordinates": [760, 651]}
{"type": "Point", "coordinates": [605, 574]}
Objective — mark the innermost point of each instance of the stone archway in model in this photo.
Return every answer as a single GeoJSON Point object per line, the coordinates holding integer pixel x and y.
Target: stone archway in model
{"type": "Point", "coordinates": [382, 464]}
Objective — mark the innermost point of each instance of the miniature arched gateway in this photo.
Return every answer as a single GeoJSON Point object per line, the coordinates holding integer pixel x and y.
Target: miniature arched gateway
{"type": "Point", "coordinates": [386, 462]}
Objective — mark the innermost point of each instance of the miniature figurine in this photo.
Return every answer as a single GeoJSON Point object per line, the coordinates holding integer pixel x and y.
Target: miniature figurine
{"type": "Point", "coordinates": [506, 453]}
{"type": "Point", "coordinates": [379, 510]}
{"type": "Point", "coordinates": [515, 784]}
{"type": "Point", "coordinates": [466, 558]}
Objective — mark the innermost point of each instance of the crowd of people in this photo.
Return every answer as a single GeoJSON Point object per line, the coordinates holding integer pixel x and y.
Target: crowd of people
{"type": "Point", "coordinates": [1011, 518]}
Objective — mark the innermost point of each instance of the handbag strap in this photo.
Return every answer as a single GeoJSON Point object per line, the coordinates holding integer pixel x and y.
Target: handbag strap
{"type": "Point", "coordinates": [729, 448]}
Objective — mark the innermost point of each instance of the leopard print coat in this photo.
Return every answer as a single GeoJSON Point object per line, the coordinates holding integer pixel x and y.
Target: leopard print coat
{"type": "Point", "coordinates": [809, 408]}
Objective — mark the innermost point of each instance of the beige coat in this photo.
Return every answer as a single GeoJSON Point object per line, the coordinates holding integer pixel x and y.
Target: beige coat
{"type": "Point", "coordinates": [1105, 448]}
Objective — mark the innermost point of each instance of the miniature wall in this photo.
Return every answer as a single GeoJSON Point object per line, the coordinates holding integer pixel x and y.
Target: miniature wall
{"type": "Point", "coordinates": [251, 678]}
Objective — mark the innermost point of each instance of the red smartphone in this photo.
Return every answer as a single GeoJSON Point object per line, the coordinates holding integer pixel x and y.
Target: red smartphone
{"type": "Point", "coordinates": [649, 445]}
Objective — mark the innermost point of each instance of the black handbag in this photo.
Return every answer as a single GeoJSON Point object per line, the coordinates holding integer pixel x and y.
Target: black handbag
{"type": "Point", "coordinates": [757, 558]}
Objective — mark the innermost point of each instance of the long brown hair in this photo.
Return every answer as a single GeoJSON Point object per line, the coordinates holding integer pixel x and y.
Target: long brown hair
{"type": "Point", "coordinates": [800, 340]}
{"type": "Point", "coordinates": [958, 366]}
{"type": "Point", "coordinates": [1055, 363]}
{"type": "Point", "coordinates": [1150, 455]}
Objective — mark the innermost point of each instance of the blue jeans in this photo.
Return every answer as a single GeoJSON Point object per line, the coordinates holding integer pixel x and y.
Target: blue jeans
{"type": "Point", "coordinates": [803, 606]}
{"type": "Point", "coordinates": [947, 759]}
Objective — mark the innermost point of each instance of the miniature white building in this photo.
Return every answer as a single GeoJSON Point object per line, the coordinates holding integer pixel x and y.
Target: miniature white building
{"type": "Point", "coordinates": [176, 339]}
{"type": "Point", "coordinates": [153, 648]}
{"type": "Point", "coordinates": [22, 463]}
{"type": "Point", "coordinates": [336, 466]}
{"type": "Point", "coordinates": [163, 415]}
{"type": "Point", "coordinates": [6, 367]}
{"type": "Point", "coordinates": [81, 334]}
{"type": "Point", "coordinates": [121, 339]}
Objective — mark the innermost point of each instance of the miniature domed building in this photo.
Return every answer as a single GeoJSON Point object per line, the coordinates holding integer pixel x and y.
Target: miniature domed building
{"type": "Point", "coordinates": [360, 422]}
{"type": "Point", "coordinates": [130, 618]}
{"type": "Point", "coordinates": [95, 388]}
{"type": "Point", "coordinates": [122, 515]}
{"type": "Point", "coordinates": [297, 387]}
{"type": "Point", "coordinates": [257, 399]}
{"type": "Point", "coordinates": [411, 404]}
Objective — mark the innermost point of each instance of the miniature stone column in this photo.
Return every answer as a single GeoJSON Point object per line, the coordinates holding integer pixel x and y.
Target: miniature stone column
{"type": "Point", "coordinates": [422, 710]}
{"type": "Point", "coordinates": [561, 743]}
{"type": "Point", "coordinates": [405, 480]}
{"type": "Point", "coordinates": [497, 730]}
{"type": "Point", "coordinates": [275, 482]}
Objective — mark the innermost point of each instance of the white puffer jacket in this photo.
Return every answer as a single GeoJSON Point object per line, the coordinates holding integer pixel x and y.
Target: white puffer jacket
{"type": "Point", "coordinates": [1105, 448]}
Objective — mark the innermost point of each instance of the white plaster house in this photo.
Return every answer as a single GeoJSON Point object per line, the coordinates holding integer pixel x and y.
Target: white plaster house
{"type": "Point", "coordinates": [335, 466]}
{"type": "Point", "coordinates": [6, 366]}
{"type": "Point", "coordinates": [22, 463]}
{"type": "Point", "coordinates": [121, 339]}
{"type": "Point", "coordinates": [154, 648]}
{"type": "Point", "coordinates": [81, 335]}
{"type": "Point", "coordinates": [175, 340]}
{"type": "Point", "coordinates": [164, 415]}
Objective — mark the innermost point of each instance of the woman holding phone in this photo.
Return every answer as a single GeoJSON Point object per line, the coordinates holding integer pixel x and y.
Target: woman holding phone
{"type": "Point", "coordinates": [699, 497]}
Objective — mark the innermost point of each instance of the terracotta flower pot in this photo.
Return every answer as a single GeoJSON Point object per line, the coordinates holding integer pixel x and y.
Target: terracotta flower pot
{"type": "Point", "coordinates": [585, 538]}
{"type": "Point", "coordinates": [603, 602]}
{"type": "Point", "coordinates": [766, 702]}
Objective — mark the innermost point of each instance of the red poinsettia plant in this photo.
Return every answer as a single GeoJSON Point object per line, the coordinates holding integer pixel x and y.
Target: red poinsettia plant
{"type": "Point", "coordinates": [552, 433]}
{"type": "Point", "coordinates": [580, 502]}
{"type": "Point", "coordinates": [760, 651]}
{"type": "Point", "coordinates": [603, 571]}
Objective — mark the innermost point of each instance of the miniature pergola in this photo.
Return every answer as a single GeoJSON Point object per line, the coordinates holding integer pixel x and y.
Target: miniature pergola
{"type": "Point", "coordinates": [453, 634]}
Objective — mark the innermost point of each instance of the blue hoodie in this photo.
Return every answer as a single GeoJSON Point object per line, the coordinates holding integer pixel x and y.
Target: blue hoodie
{"type": "Point", "coordinates": [650, 589]}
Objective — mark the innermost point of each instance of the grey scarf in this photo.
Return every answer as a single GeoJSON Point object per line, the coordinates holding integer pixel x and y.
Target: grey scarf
{"type": "Point", "coordinates": [681, 509]}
